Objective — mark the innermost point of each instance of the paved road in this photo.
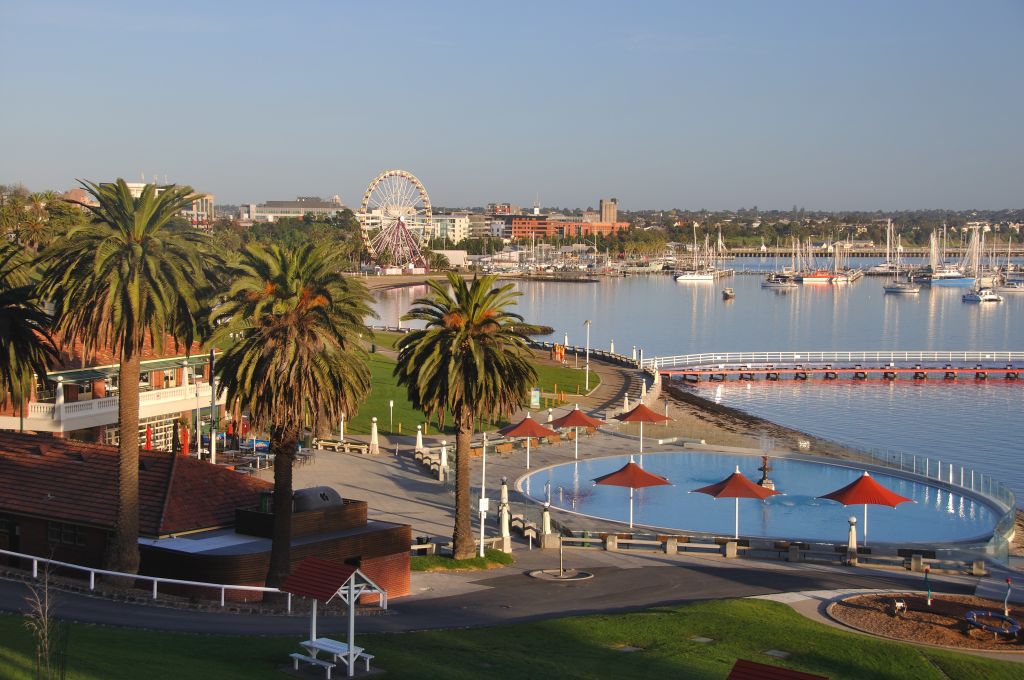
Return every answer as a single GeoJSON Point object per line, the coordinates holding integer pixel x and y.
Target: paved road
{"type": "Point", "coordinates": [621, 582]}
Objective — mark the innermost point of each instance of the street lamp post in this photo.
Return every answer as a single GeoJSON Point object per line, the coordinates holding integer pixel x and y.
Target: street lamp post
{"type": "Point", "coordinates": [483, 493]}
{"type": "Point", "coordinates": [586, 385]}
{"type": "Point", "coordinates": [391, 415]}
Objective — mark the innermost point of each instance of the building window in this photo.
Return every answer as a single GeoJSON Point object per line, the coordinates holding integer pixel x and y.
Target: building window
{"type": "Point", "coordinates": [67, 534]}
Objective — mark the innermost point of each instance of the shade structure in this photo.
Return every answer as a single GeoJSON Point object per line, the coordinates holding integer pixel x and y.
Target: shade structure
{"type": "Point", "coordinates": [149, 437]}
{"type": "Point", "coordinates": [641, 414]}
{"type": "Point", "coordinates": [736, 486]}
{"type": "Point", "coordinates": [576, 419]}
{"type": "Point", "coordinates": [527, 427]}
{"type": "Point", "coordinates": [633, 477]}
{"type": "Point", "coordinates": [866, 491]}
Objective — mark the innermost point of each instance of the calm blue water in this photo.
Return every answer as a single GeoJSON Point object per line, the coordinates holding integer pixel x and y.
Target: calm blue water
{"type": "Point", "coordinates": [967, 424]}
{"type": "Point", "coordinates": [937, 515]}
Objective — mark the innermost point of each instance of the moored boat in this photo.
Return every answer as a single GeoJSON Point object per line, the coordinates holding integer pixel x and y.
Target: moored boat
{"type": "Point", "coordinates": [728, 293]}
{"type": "Point", "coordinates": [982, 295]}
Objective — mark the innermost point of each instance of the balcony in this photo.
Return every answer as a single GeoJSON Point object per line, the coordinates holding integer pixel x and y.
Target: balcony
{"type": "Point", "coordinates": [78, 415]}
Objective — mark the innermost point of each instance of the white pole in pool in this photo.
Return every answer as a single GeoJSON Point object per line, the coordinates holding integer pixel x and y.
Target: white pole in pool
{"type": "Point", "coordinates": [865, 525]}
{"type": "Point", "coordinates": [736, 531]}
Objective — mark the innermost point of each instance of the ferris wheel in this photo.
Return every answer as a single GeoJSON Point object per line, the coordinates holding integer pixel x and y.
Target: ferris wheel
{"type": "Point", "coordinates": [395, 218]}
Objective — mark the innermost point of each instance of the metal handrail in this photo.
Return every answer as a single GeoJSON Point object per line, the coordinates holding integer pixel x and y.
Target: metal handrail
{"type": "Point", "coordinates": [156, 580]}
{"type": "Point", "coordinates": [719, 359]}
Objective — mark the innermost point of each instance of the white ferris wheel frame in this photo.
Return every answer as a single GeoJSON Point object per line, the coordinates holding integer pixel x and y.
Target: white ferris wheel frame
{"type": "Point", "coordinates": [401, 200]}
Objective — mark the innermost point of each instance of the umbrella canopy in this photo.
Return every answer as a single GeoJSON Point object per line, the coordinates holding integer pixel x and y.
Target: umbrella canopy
{"type": "Point", "coordinates": [641, 414]}
{"type": "Point", "coordinates": [866, 491]}
{"type": "Point", "coordinates": [527, 427]}
{"type": "Point", "coordinates": [633, 477]}
{"type": "Point", "coordinates": [576, 419]}
{"type": "Point", "coordinates": [736, 486]}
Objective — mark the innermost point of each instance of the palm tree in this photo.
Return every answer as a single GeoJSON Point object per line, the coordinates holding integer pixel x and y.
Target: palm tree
{"type": "Point", "coordinates": [298, 318]}
{"type": "Point", "coordinates": [468, 361]}
{"type": "Point", "coordinates": [128, 276]}
{"type": "Point", "coordinates": [26, 347]}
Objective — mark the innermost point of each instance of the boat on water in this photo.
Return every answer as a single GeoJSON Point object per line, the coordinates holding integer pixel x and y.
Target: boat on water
{"type": "Point", "coordinates": [728, 293]}
{"type": "Point", "coordinates": [702, 267]}
{"type": "Point", "coordinates": [1011, 287]}
{"type": "Point", "coordinates": [982, 295]}
{"type": "Point", "coordinates": [904, 287]}
{"type": "Point", "coordinates": [816, 276]}
{"type": "Point", "coordinates": [779, 281]}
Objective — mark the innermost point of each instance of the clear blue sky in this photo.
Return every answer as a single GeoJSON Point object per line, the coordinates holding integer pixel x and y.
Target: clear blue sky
{"type": "Point", "coordinates": [828, 105]}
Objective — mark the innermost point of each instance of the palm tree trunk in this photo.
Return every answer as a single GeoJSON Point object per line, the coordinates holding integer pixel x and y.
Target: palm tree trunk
{"type": "Point", "coordinates": [283, 442]}
{"type": "Point", "coordinates": [123, 550]}
{"type": "Point", "coordinates": [463, 538]}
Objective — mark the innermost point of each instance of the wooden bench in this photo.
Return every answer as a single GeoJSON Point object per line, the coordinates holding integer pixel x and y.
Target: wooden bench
{"type": "Point", "coordinates": [504, 447]}
{"type": "Point", "coordinates": [326, 665]}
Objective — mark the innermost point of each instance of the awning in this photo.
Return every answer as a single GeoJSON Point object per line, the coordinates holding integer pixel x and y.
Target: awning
{"type": "Point", "coordinates": [80, 376]}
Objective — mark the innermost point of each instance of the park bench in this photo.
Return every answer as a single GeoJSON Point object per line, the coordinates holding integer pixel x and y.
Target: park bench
{"type": "Point", "coordinates": [312, 660]}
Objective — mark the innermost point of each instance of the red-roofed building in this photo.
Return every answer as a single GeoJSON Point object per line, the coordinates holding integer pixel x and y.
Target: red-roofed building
{"type": "Point", "coordinates": [197, 521]}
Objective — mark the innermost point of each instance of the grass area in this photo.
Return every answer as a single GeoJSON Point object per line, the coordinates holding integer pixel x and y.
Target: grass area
{"type": "Point", "coordinates": [579, 647]}
{"type": "Point", "coordinates": [491, 559]}
{"type": "Point", "coordinates": [385, 389]}
{"type": "Point", "coordinates": [387, 339]}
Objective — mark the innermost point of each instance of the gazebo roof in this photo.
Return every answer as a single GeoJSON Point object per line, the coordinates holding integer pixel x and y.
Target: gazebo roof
{"type": "Point", "coordinates": [322, 580]}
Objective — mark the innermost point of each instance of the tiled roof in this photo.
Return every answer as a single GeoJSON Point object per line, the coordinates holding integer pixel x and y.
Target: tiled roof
{"type": "Point", "coordinates": [75, 482]}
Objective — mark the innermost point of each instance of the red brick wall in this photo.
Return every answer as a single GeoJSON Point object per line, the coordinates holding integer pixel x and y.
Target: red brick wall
{"type": "Point", "coordinates": [390, 572]}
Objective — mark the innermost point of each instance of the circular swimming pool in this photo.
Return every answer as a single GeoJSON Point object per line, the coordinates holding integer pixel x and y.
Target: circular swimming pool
{"type": "Point", "coordinates": [936, 516]}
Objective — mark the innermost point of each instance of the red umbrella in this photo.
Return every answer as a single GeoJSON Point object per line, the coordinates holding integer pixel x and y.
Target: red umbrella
{"type": "Point", "coordinates": [149, 438]}
{"type": "Point", "coordinates": [184, 441]}
{"type": "Point", "coordinates": [865, 490]}
{"type": "Point", "coordinates": [736, 486]}
{"type": "Point", "coordinates": [641, 414]}
{"type": "Point", "coordinates": [576, 419]}
{"type": "Point", "coordinates": [633, 476]}
{"type": "Point", "coordinates": [527, 427]}
{"type": "Point", "coordinates": [231, 428]}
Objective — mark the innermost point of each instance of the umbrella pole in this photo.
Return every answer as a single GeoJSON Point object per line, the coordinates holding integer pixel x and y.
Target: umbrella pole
{"type": "Point", "coordinates": [630, 507]}
{"type": "Point", "coordinates": [351, 624]}
{"type": "Point", "coordinates": [865, 525]}
{"type": "Point", "coordinates": [527, 453]}
{"type": "Point", "coordinates": [736, 532]}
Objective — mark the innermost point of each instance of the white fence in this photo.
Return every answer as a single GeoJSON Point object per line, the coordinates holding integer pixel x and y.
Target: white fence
{"type": "Point", "coordinates": [153, 580]}
{"type": "Point", "coordinates": [737, 359]}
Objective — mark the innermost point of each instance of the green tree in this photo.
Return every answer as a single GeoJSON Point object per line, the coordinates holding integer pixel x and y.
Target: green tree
{"type": "Point", "coordinates": [26, 347]}
{"type": "Point", "coordinates": [468, 361]}
{"type": "Point", "coordinates": [298, 319]}
{"type": "Point", "coordinates": [127, 277]}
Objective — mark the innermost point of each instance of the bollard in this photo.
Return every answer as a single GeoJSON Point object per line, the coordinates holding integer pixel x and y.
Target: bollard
{"type": "Point", "coordinates": [671, 545]}
{"type": "Point", "coordinates": [978, 568]}
{"type": "Point", "coordinates": [794, 554]}
{"type": "Point", "coordinates": [729, 550]}
{"type": "Point", "coordinates": [916, 563]}
{"type": "Point", "coordinates": [611, 543]}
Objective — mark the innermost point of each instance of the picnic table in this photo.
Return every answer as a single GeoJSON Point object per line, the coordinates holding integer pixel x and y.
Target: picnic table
{"type": "Point", "coordinates": [339, 651]}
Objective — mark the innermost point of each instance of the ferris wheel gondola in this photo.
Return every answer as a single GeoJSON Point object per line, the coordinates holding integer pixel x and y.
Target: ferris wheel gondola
{"type": "Point", "coordinates": [395, 217]}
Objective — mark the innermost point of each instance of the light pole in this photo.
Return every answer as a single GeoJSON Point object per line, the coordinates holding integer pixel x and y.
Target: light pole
{"type": "Point", "coordinates": [586, 384]}
{"type": "Point", "coordinates": [391, 415]}
{"type": "Point", "coordinates": [483, 493]}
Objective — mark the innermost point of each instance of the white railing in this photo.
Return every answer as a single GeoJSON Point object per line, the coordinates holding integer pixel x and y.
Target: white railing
{"type": "Point", "coordinates": [736, 359]}
{"type": "Point", "coordinates": [154, 580]}
{"type": "Point", "coordinates": [40, 410]}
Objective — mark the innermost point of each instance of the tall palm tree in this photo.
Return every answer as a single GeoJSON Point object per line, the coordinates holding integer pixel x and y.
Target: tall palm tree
{"type": "Point", "coordinates": [468, 361]}
{"type": "Point", "coordinates": [26, 347]}
{"type": "Point", "coordinates": [298, 319]}
{"type": "Point", "coordinates": [128, 276]}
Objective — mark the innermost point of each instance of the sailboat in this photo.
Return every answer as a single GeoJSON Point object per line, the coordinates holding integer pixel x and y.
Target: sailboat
{"type": "Point", "coordinates": [783, 279]}
{"type": "Point", "coordinates": [954, 276]}
{"type": "Point", "coordinates": [700, 270]}
{"type": "Point", "coordinates": [979, 294]}
{"type": "Point", "coordinates": [898, 287]}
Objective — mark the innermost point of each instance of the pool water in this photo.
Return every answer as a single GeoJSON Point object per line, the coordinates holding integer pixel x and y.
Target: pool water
{"type": "Point", "coordinates": [936, 516]}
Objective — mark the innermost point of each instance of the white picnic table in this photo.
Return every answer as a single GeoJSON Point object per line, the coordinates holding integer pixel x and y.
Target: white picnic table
{"type": "Point", "coordinates": [337, 650]}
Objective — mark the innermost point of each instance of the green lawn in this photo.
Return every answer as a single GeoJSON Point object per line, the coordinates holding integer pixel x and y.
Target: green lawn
{"type": "Point", "coordinates": [581, 647]}
{"type": "Point", "coordinates": [491, 559]}
{"type": "Point", "coordinates": [385, 389]}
